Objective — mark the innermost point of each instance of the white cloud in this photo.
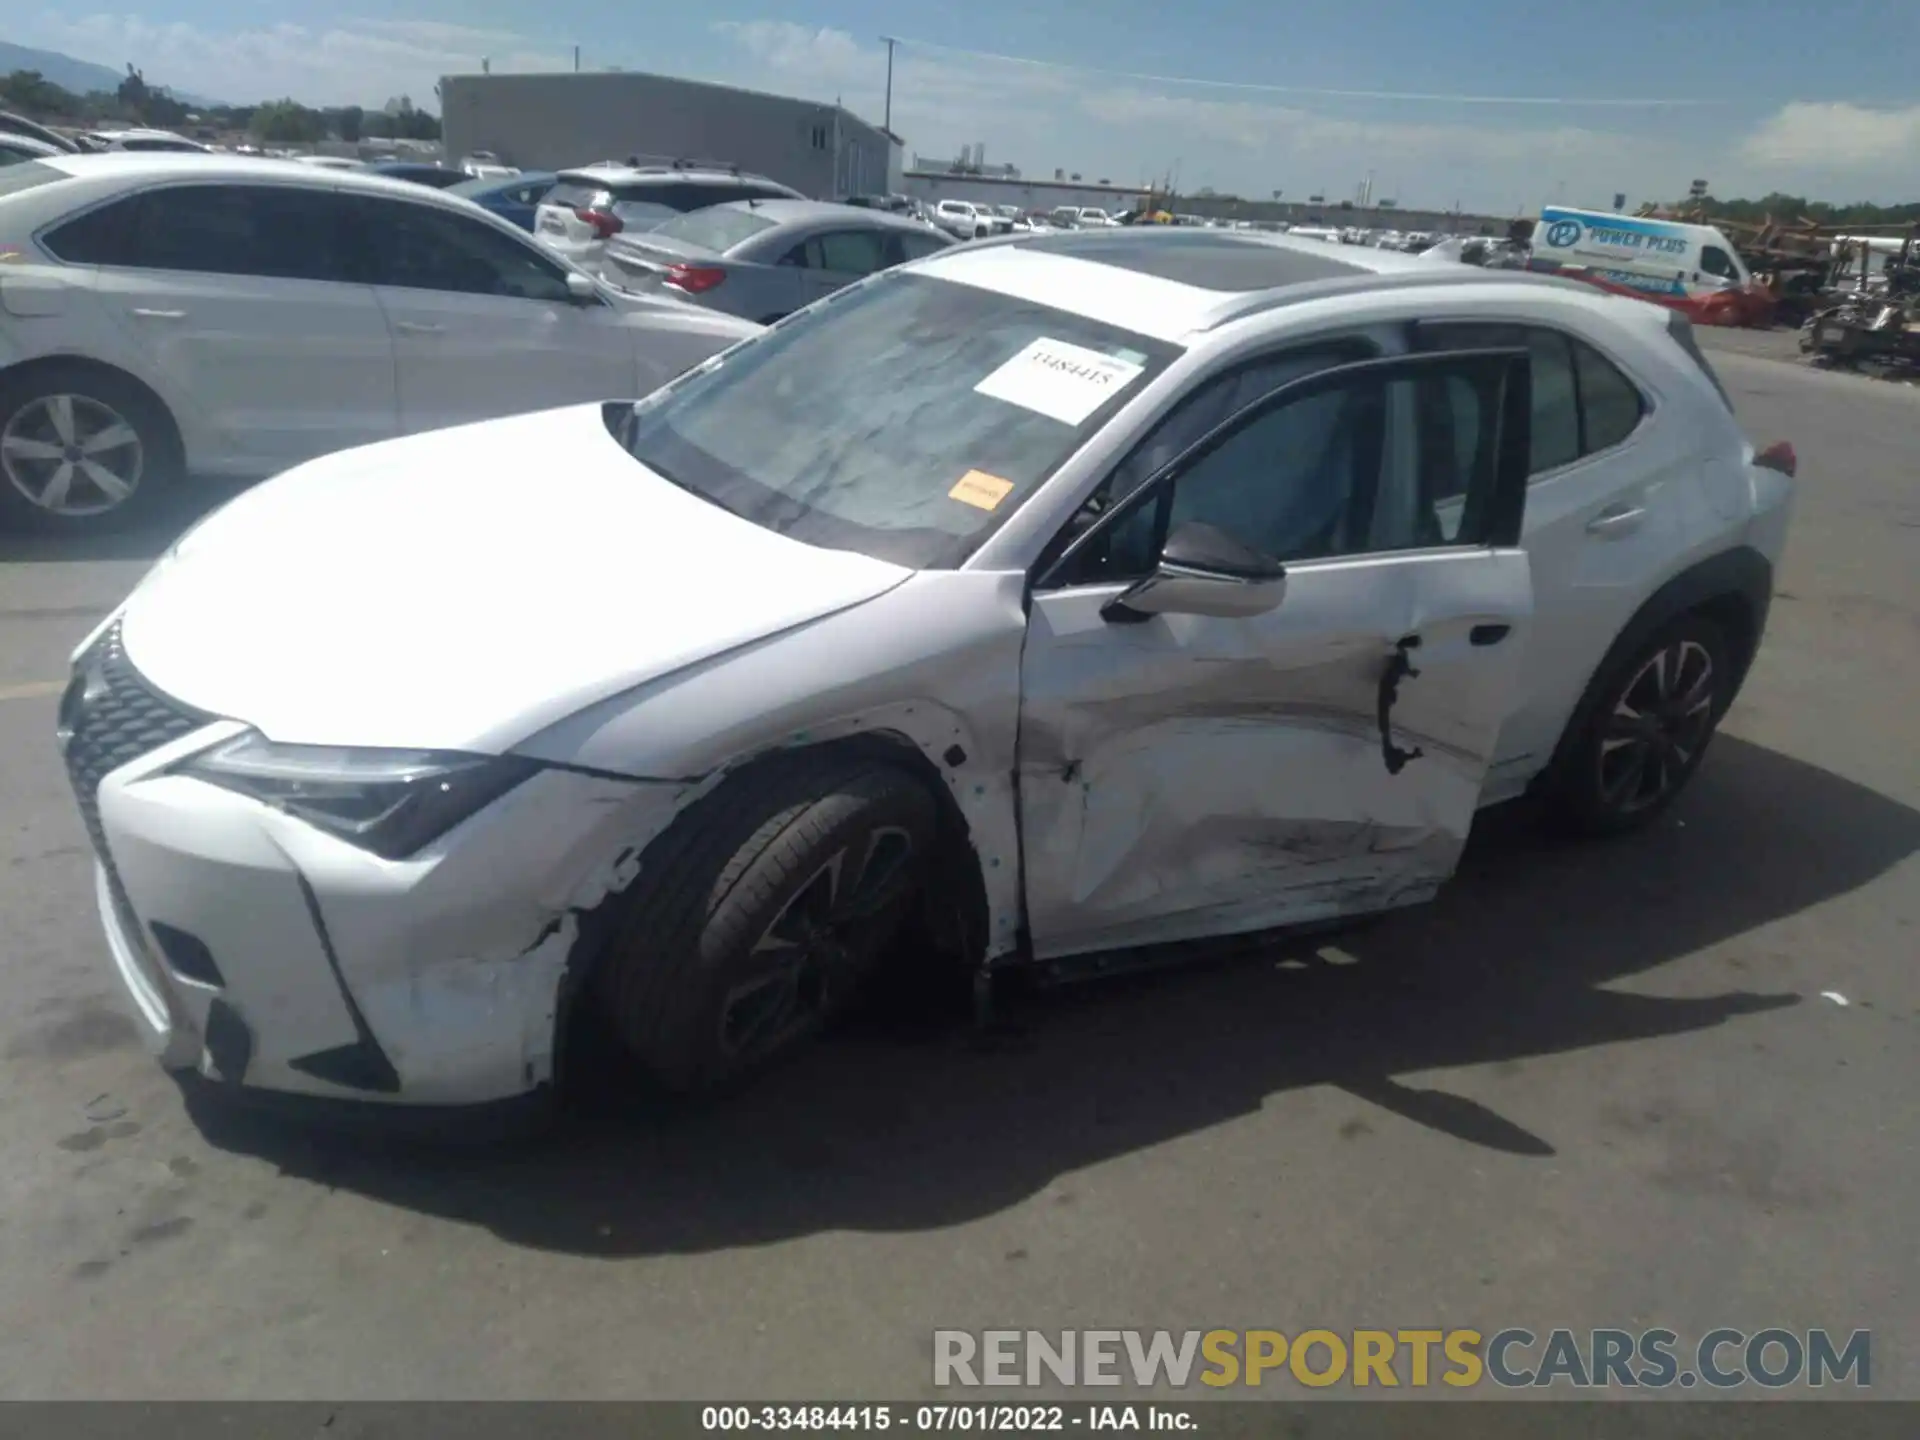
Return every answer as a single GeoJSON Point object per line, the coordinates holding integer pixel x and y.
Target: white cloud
{"type": "Point", "coordinates": [1042, 117]}
{"type": "Point", "coordinates": [1837, 136]}
{"type": "Point", "coordinates": [938, 104]}
{"type": "Point", "coordinates": [1266, 128]}
{"type": "Point", "coordinates": [356, 62]}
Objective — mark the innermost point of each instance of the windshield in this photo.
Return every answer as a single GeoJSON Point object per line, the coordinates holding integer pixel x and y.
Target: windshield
{"type": "Point", "coordinates": [719, 227]}
{"type": "Point", "coordinates": [905, 419]}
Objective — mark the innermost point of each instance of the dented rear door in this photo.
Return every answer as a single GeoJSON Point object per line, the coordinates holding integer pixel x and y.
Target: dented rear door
{"type": "Point", "coordinates": [1184, 775]}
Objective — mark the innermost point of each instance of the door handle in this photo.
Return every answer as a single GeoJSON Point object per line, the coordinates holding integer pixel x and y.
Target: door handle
{"type": "Point", "coordinates": [144, 313]}
{"type": "Point", "coordinates": [418, 327]}
{"type": "Point", "coordinates": [1617, 520]}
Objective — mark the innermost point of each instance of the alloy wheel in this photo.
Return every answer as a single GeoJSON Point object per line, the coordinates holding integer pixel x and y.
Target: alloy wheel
{"type": "Point", "coordinates": [809, 957]}
{"type": "Point", "coordinates": [72, 455]}
{"type": "Point", "coordinates": [1660, 721]}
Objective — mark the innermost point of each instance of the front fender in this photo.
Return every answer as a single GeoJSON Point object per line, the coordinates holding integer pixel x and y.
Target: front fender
{"type": "Point", "coordinates": [934, 664]}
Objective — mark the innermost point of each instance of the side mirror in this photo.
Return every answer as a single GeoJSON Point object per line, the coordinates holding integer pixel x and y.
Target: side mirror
{"type": "Point", "coordinates": [581, 287]}
{"type": "Point", "coordinates": [1203, 571]}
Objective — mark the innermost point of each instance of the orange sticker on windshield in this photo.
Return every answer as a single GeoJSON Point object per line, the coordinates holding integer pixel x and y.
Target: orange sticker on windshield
{"type": "Point", "coordinates": [981, 490]}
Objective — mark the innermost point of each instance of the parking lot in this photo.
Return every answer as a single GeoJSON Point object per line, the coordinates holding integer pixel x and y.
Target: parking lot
{"type": "Point", "coordinates": [1594, 1085]}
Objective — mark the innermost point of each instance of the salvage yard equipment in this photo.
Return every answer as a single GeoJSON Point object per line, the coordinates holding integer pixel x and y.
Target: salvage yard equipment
{"type": "Point", "coordinates": [1879, 321]}
{"type": "Point", "coordinates": [1799, 267]}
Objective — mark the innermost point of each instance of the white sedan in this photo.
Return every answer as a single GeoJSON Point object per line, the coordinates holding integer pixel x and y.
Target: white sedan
{"type": "Point", "coordinates": [1040, 600]}
{"type": "Point", "coordinates": [167, 315]}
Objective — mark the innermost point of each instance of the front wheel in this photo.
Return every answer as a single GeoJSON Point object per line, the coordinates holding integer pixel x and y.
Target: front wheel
{"type": "Point", "coordinates": [1646, 731]}
{"type": "Point", "coordinates": [768, 905]}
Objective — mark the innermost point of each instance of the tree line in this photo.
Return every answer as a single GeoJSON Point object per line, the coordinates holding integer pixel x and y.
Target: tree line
{"type": "Point", "coordinates": [279, 122]}
{"type": "Point", "coordinates": [1787, 209]}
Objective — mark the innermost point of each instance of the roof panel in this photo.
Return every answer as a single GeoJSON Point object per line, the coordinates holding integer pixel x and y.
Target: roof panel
{"type": "Point", "coordinates": [1208, 259]}
{"type": "Point", "coordinates": [1132, 300]}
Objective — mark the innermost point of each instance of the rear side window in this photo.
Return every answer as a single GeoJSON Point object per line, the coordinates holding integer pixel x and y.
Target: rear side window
{"type": "Point", "coordinates": [1582, 403]}
{"type": "Point", "coordinates": [1610, 405]}
{"type": "Point", "coordinates": [102, 236]}
{"type": "Point", "coordinates": [1556, 401]}
{"type": "Point", "coordinates": [265, 231]}
{"type": "Point", "coordinates": [715, 228]}
{"type": "Point", "coordinates": [680, 196]}
{"type": "Point", "coordinates": [853, 252]}
{"type": "Point", "coordinates": [1681, 329]}
{"type": "Point", "coordinates": [918, 247]}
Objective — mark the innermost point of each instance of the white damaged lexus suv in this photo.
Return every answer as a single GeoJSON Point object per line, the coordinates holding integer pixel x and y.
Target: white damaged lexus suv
{"type": "Point", "coordinates": [1061, 595]}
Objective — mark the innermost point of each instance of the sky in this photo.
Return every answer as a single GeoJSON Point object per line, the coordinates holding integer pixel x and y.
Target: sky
{"type": "Point", "coordinates": [1493, 105]}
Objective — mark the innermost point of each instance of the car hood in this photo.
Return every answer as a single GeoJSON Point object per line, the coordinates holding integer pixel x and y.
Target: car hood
{"type": "Point", "coordinates": [462, 589]}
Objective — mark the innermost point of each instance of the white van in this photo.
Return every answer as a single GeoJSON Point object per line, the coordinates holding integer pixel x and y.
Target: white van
{"type": "Point", "coordinates": [1659, 259]}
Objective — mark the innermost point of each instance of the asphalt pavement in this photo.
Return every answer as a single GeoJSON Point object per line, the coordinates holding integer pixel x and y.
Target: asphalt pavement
{"type": "Point", "coordinates": [1593, 1085]}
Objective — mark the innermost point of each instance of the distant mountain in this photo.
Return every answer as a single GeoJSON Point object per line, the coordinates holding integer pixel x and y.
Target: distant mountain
{"type": "Point", "coordinates": [79, 76]}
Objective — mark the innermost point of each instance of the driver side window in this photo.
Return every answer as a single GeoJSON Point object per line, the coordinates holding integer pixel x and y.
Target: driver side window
{"type": "Point", "coordinates": [1129, 550]}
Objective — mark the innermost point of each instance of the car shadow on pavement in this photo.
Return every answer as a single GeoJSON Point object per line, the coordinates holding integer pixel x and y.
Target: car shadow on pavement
{"type": "Point", "coordinates": [916, 1121]}
{"type": "Point", "coordinates": [144, 539]}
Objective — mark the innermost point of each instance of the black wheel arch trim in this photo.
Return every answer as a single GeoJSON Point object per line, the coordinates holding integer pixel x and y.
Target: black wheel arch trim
{"type": "Point", "coordinates": [1742, 575]}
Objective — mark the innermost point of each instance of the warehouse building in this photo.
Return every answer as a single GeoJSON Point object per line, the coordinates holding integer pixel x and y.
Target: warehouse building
{"type": "Point", "coordinates": [557, 121]}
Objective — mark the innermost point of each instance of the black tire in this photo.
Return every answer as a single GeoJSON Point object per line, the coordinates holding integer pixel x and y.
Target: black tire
{"type": "Point", "coordinates": [152, 461]}
{"type": "Point", "coordinates": [687, 983]}
{"type": "Point", "coordinates": [1633, 748]}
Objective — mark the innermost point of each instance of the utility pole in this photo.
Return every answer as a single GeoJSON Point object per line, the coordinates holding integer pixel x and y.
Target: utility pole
{"type": "Point", "coordinates": [887, 123]}
{"type": "Point", "coordinates": [576, 59]}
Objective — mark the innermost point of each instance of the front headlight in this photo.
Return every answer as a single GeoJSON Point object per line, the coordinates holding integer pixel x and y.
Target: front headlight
{"type": "Point", "coordinates": [392, 802]}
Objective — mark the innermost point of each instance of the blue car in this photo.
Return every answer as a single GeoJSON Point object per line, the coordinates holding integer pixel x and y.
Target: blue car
{"type": "Point", "coordinates": [512, 197]}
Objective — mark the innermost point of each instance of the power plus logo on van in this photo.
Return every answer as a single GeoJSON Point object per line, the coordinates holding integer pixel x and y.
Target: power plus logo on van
{"type": "Point", "coordinates": [1563, 233]}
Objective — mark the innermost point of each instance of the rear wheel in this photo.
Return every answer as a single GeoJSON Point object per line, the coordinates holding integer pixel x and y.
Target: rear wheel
{"type": "Point", "coordinates": [80, 450]}
{"type": "Point", "coordinates": [770, 903]}
{"type": "Point", "coordinates": [1645, 730]}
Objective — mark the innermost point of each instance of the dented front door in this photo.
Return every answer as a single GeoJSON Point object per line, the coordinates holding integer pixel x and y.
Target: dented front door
{"type": "Point", "coordinates": [1186, 776]}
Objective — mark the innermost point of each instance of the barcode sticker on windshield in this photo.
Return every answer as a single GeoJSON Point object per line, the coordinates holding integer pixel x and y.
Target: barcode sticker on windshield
{"type": "Point", "coordinates": [1061, 381]}
{"type": "Point", "coordinates": [981, 490]}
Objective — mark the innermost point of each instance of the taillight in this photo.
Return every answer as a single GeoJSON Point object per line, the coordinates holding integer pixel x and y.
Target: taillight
{"type": "Point", "coordinates": [605, 224]}
{"type": "Point", "coordinates": [1779, 456]}
{"type": "Point", "coordinates": [695, 279]}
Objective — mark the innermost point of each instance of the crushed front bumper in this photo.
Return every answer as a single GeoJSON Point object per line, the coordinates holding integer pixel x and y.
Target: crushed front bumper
{"type": "Point", "coordinates": [260, 953]}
